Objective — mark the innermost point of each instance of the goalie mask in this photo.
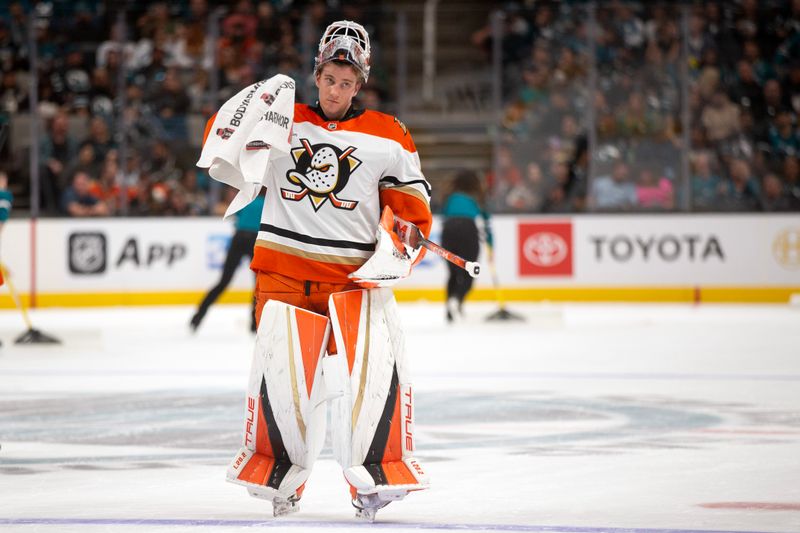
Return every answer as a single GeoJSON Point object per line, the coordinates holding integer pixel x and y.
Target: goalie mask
{"type": "Point", "coordinates": [345, 41]}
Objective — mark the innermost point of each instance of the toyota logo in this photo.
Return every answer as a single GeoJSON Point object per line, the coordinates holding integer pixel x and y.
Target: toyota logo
{"type": "Point", "coordinates": [545, 249]}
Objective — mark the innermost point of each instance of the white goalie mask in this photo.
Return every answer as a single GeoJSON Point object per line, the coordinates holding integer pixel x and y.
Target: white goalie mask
{"type": "Point", "coordinates": [348, 41]}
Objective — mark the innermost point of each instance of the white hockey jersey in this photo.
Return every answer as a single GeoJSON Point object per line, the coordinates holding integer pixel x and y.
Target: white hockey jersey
{"type": "Point", "coordinates": [324, 200]}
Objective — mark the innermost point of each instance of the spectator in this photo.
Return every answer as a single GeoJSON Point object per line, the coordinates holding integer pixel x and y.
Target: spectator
{"type": "Point", "coordinates": [58, 149]}
{"type": "Point", "coordinates": [772, 103]}
{"type": "Point", "coordinates": [777, 197]}
{"type": "Point", "coordinates": [517, 196]}
{"type": "Point", "coordinates": [100, 138]}
{"type": "Point", "coordinates": [615, 191]}
{"type": "Point", "coordinates": [85, 162]}
{"type": "Point", "coordinates": [101, 95]}
{"type": "Point", "coordinates": [162, 164]}
{"type": "Point", "coordinates": [191, 48]}
{"type": "Point", "coordinates": [721, 118]}
{"type": "Point", "coordinates": [558, 198]}
{"type": "Point", "coordinates": [741, 192]}
{"type": "Point", "coordinates": [111, 46]}
{"type": "Point", "coordinates": [268, 28]}
{"type": "Point", "coordinates": [537, 186]}
{"type": "Point", "coordinates": [84, 23]}
{"type": "Point", "coordinates": [762, 69]}
{"type": "Point", "coordinates": [197, 92]}
{"type": "Point", "coordinates": [706, 184]}
{"type": "Point", "coordinates": [698, 39]}
{"type": "Point", "coordinates": [78, 201]}
{"type": "Point", "coordinates": [792, 85]}
{"type": "Point", "coordinates": [72, 83]}
{"type": "Point", "coordinates": [171, 103]}
{"type": "Point", "coordinates": [13, 96]}
{"type": "Point", "coordinates": [746, 91]}
{"type": "Point", "coordinates": [634, 120]}
{"type": "Point", "coordinates": [105, 188]}
{"type": "Point", "coordinates": [791, 176]}
{"type": "Point", "coordinates": [177, 202]}
{"type": "Point", "coordinates": [653, 192]}
{"type": "Point", "coordinates": [198, 12]}
{"type": "Point", "coordinates": [505, 183]}
{"type": "Point", "coordinates": [195, 195]}
{"type": "Point", "coordinates": [150, 76]}
{"type": "Point", "coordinates": [783, 136]}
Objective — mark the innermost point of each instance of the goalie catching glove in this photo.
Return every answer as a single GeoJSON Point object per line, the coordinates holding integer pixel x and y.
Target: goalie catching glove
{"type": "Point", "coordinates": [390, 263]}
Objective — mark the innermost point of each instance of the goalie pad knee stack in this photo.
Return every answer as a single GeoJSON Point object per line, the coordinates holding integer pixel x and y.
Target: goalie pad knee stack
{"type": "Point", "coordinates": [373, 420]}
{"type": "Point", "coordinates": [285, 413]}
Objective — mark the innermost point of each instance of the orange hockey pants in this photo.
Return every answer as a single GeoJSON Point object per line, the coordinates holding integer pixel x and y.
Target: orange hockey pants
{"type": "Point", "coordinates": [310, 295]}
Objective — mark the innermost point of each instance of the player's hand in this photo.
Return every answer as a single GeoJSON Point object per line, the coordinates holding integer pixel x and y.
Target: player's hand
{"type": "Point", "coordinates": [390, 263]}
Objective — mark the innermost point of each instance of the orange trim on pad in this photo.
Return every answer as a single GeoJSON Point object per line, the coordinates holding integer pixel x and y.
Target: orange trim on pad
{"type": "Point", "coordinates": [397, 473]}
{"type": "Point", "coordinates": [257, 469]}
{"type": "Point", "coordinates": [348, 309]}
{"type": "Point", "coordinates": [311, 329]}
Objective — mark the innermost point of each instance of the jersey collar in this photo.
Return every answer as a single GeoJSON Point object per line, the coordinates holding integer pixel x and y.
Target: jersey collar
{"type": "Point", "coordinates": [352, 112]}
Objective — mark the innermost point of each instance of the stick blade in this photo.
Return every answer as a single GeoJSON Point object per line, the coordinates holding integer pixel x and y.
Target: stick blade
{"type": "Point", "coordinates": [504, 315]}
{"type": "Point", "coordinates": [34, 336]}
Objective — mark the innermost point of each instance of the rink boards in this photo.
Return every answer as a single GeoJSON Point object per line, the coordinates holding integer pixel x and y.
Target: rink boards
{"type": "Point", "coordinates": [746, 258]}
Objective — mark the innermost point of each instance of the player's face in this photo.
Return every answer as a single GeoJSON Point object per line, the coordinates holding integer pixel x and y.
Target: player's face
{"type": "Point", "coordinates": [337, 85]}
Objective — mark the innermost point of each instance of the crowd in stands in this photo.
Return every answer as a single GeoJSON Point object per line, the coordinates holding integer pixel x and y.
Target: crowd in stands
{"type": "Point", "coordinates": [167, 63]}
{"type": "Point", "coordinates": [171, 64]}
{"type": "Point", "coordinates": [743, 79]}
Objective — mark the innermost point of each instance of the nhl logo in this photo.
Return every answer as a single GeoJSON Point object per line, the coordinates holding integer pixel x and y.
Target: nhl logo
{"type": "Point", "coordinates": [225, 133]}
{"type": "Point", "coordinates": [332, 126]}
{"type": "Point", "coordinates": [87, 253]}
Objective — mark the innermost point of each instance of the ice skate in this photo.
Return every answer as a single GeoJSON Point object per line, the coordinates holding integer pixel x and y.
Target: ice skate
{"type": "Point", "coordinates": [283, 506]}
{"type": "Point", "coordinates": [452, 310]}
{"type": "Point", "coordinates": [367, 506]}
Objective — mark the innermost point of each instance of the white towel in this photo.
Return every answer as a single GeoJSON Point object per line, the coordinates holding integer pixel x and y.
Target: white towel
{"type": "Point", "coordinates": [247, 130]}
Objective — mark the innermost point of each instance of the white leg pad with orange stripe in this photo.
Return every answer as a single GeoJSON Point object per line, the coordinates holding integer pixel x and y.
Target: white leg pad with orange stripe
{"type": "Point", "coordinates": [373, 419]}
{"type": "Point", "coordinates": [285, 414]}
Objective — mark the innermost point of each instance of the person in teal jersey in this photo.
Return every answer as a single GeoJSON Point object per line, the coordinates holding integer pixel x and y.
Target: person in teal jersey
{"type": "Point", "coordinates": [248, 221]}
{"type": "Point", "coordinates": [5, 198]}
{"type": "Point", "coordinates": [464, 209]}
{"type": "Point", "coordinates": [5, 208]}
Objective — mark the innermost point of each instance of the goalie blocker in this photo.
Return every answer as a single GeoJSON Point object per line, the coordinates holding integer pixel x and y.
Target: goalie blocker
{"type": "Point", "coordinates": [367, 384]}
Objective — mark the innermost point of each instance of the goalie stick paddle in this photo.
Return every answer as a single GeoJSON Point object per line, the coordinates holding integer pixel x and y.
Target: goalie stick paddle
{"type": "Point", "coordinates": [411, 235]}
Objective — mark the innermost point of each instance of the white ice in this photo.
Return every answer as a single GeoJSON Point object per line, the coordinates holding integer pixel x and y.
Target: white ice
{"type": "Point", "coordinates": [582, 419]}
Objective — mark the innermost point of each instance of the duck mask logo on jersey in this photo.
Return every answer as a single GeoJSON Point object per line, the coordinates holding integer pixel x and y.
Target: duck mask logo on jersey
{"type": "Point", "coordinates": [321, 171]}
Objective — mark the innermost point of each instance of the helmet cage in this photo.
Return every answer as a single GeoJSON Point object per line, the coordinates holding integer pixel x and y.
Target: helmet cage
{"type": "Point", "coordinates": [345, 41]}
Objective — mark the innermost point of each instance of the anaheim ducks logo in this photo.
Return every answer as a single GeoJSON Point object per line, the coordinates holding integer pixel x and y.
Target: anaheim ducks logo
{"type": "Point", "coordinates": [321, 171]}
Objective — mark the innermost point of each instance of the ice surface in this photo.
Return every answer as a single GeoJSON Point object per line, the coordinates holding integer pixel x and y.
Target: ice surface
{"type": "Point", "coordinates": [584, 418]}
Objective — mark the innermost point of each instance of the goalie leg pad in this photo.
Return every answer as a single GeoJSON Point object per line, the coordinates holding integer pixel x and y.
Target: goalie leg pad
{"type": "Point", "coordinates": [373, 420]}
{"type": "Point", "coordinates": [285, 412]}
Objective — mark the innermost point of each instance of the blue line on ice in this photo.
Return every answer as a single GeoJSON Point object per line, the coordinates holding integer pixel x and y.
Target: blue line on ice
{"type": "Point", "coordinates": [341, 525]}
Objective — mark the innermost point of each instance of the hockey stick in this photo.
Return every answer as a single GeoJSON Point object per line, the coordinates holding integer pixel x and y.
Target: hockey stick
{"type": "Point", "coordinates": [411, 235]}
{"type": "Point", "coordinates": [502, 313]}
